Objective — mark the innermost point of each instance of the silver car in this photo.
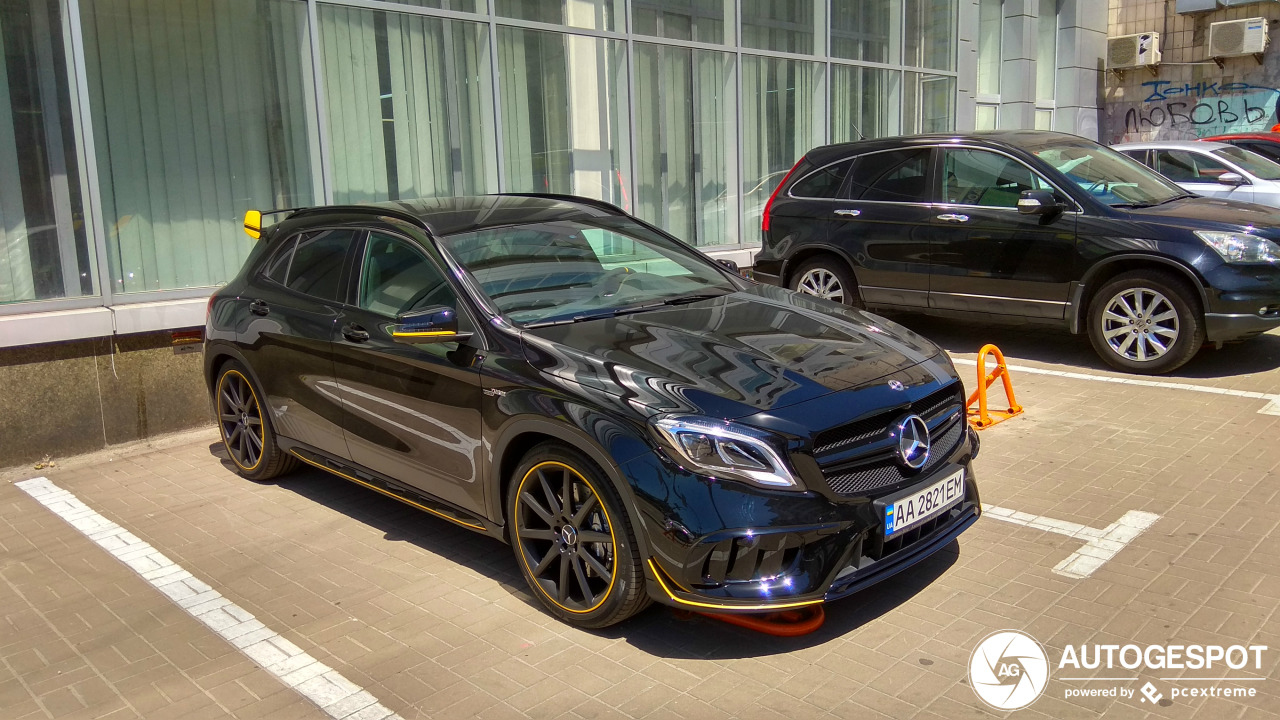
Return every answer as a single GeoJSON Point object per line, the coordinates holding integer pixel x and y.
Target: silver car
{"type": "Point", "coordinates": [1211, 169]}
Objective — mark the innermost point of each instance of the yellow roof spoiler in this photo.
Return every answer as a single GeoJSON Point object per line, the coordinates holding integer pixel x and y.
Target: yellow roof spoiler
{"type": "Point", "coordinates": [253, 224]}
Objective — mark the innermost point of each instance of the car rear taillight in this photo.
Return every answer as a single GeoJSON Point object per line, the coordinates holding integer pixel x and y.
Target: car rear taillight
{"type": "Point", "coordinates": [768, 207]}
{"type": "Point", "coordinates": [208, 310]}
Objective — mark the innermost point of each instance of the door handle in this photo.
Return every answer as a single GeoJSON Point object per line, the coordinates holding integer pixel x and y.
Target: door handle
{"type": "Point", "coordinates": [355, 333]}
{"type": "Point", "coordinates": [849, 213]}
{"type": "Point", "coordinates": [259, 307]}
{"type": "Point", "coordinates": [953, 218]}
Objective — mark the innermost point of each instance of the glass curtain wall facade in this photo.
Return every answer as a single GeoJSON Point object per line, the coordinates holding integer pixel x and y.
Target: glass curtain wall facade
{"type": "Point", "coordinates": [134, 134]}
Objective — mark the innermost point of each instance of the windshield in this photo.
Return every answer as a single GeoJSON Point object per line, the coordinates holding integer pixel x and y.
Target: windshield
{"type": "Point", "coordinates": [1110, 177]}
{"type": "Point", "coordinates": [1252, 163]}
{"type": "Point", "coordinates": [580, 269]}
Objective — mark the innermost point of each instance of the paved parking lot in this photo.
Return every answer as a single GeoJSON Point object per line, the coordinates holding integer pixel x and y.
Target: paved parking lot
{"type": "Point", "coordinates": [432, 621]}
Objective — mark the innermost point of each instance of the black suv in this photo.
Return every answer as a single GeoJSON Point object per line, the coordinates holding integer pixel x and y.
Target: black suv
{"type": "Point", "coordinates": [637, 421]}
{"type": "Point", "coordinates": [1026, 227]}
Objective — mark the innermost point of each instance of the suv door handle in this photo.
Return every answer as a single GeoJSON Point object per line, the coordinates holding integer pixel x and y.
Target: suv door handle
{"type": "Point", "coordinates": [849, 213]}
{"type": "Point", "coordinates": [355, 333]}
{"type": "Point", "coordinates": [259, 307]}
{"type": "Point", "coordinates": [953, 218]}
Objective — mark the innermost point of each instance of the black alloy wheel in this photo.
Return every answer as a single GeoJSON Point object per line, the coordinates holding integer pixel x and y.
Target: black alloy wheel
{"type": "Point", "coordinates": [246, 433]}
{"type": "Point", "coordinates": [573, 541]}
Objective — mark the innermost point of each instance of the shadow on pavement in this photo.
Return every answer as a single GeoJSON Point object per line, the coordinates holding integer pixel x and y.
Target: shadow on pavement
{"type": "Point", "coordinates": [659, 630]}
{"type": "Point", "coordinates": [1050, 345]}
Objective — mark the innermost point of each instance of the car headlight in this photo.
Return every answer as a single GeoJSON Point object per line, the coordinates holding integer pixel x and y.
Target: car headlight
{"type": "Point", "coordinates": [1241, 247]}
{"type": "Point", "coordinates": [723, 449]}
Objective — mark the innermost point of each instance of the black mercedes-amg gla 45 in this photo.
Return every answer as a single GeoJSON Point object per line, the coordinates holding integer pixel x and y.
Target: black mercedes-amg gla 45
{"type": "Point", "coordinates": [636, 420]}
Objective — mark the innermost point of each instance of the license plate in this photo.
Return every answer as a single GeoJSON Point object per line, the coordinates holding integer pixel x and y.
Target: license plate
{"type": "Point", "coordinates": [920, 506]}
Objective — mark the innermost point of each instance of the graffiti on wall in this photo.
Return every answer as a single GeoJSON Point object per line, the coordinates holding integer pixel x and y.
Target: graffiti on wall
{"type": "Point", "coordinates": [1203, 108]}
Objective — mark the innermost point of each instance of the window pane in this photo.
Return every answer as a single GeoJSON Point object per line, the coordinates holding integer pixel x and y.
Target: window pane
{"type": "Point", "coordinates": [866, 30]}
{"type": "Point", "coordinates": [564, 114]}
{"type": "Point", "coordinates": [698, 20]}
{"type": "Point", "coordinates": [687, 143]}
{"type": "Point", "coordinates": [471, 6]}
{"type": "Point", "coordinates": [782, 119]}
{"type": "Point", "coordinates": [825, 183]}
{"type": "Point", "coordinates": [864, 103]}
{"type": "Point", "coordinates": [317, 263]}
{"type": "Point", "coordinates": [397, 278]}
{"type": "Point", "coordinates": [409, 104]}
{"type": "Point", "coordinates": [597, 14]}
{"type": "Point", "coordinates": [975, 177]}
{"type": "Point", "coordinates": [1046, 49]}
{"type": "Point", "coordinates": [931, 34]}
{"type": "Point", "coordinates": [277, 268]}
{"type": "Point", "coordinates": [1183, 166]}
{"type": "Point", "coordinates": [928, 103]}
{"type": "Point", "coordinates": [896, 176]}
{"type": "Point", "coordinates": [986, 117]}
{"type": "Point", "coordinates": [44, 251]}
{"type": "Point", "coordinates": [990, 23]}
{"type": "Point", "coordinates": [782, 25]}
{"type": "Point", "coordinates": [199, 114]}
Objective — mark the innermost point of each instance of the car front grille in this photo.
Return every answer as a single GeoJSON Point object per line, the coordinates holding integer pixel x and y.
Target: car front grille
{"type": "Point", "coordinates": [856, 460]}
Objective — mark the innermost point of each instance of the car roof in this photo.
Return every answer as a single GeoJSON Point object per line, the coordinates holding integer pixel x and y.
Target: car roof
{"type": "Point", "coordinates": [1200, 145]}
{"type": "Point", "coordinates": [451, 215]}
{"type": "Point", "coordinates": [1264, 136]}
{"type": "Point", "coordinates": [1029, 140]}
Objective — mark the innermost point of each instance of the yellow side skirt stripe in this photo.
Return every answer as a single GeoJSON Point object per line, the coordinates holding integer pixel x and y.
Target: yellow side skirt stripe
{"type": "Point", "coordinates": [657, 574]}
{"type": "Point", "coordinates": [406, 501]}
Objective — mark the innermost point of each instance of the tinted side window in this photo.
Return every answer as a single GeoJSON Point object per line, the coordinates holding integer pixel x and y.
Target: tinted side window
{"type": "Point", "coordinates": [397, 278]}
{"type": "Point", "coordinates": [824, 183]}
{"type": "Point", "coordinates": [1184, 166]}
{"type": "Point", "coordinates": [1266, 150]}
{"type": "Point", "coordinates": [978, 177]}
{"type": "Point", "coordinates": [1139, 155]}
{"type": "Point", "coordinates": [277, 267]}
{"type": "Point", "coordinates": [895, 176]}
{"type": "Point", "coordinates": [317, 263]}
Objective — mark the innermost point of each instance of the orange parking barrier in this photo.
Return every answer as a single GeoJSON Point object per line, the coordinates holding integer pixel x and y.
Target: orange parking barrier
{"type": "Point", "coordinates": [984, 418]}
{"type": "Point", "coordinates": [786, 623]}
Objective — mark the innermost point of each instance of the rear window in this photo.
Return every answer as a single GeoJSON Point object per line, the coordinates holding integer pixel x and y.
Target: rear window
{"type": "Point", "coordinates": [824, 183]}
{"type": "Point", "coordinates": [894, 176]}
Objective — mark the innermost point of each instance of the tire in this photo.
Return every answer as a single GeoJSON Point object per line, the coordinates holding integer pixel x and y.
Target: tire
{"type": "Point", "coordinates": [1146, 321]}
{"type": "Point", "coordinates": [829, 278]}
{"type": "Point", "coordinates": [245, 427]}
{"type": "Point", "coordinates": [565, 556]}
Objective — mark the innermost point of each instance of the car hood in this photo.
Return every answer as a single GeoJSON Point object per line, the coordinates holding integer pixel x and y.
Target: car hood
{"type": "Point", "coordinates": [1201, 213]}
{"type": "Point", "coordinates": [758, 349]}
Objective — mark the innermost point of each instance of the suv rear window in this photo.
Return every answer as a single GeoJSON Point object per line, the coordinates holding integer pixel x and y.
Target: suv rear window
{"type": "Point", "coordinates": [824, 183]}
{"type": "Point", "coordinates": [894, 176]}
{"type": "Point", "coordinates": [317, 263]}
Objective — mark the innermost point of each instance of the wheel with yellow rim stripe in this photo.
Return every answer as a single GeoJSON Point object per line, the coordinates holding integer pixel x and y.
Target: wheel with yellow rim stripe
{"type": "Point", "coordinates": [245, 427]}
{"type": "Point", "coordinates": [573, 540]}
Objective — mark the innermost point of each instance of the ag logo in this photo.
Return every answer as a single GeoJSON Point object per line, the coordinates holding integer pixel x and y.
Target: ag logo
{"type": "Point", "coordinates": [1008, 670]}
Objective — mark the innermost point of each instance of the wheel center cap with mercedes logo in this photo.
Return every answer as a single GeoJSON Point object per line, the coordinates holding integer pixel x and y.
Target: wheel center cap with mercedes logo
{"type": "Point", "coordinates": [913, 441]}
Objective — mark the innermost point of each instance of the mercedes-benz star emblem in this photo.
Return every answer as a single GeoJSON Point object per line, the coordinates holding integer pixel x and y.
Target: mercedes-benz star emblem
{"type": "Point", "coordinates": [913, 441]}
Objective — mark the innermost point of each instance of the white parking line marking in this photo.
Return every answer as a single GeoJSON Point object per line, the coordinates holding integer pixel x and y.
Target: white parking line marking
{"type": "Point", "coordinates": [1100, 545]}
{"type": "Point", "coordinates": [338, 697]}
{"type": "Point", "coordinates": [1271, 408]}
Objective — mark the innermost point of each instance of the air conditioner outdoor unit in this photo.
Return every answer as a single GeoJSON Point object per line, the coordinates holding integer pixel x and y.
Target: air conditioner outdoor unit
{"type": "Point", "coordinates": [1233, 38]}
{"type": "Point", "coordinates": [1131, 51]}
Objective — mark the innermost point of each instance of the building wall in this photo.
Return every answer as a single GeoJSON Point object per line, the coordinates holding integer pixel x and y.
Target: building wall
{"type": "Point", "coordinates": [72, 397]}
{"type": "Point", "coordinates": [1188, 95]}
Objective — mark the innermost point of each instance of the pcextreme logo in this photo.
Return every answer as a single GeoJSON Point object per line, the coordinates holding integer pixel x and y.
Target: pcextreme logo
{"type": "Point", "coordinates": [1008, 670]}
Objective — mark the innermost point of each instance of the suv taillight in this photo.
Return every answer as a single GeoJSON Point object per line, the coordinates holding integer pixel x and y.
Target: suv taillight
{"type": "Point", "coordinates": [208, 310]}
{"type": "Point", "coordinates": [768, 207]}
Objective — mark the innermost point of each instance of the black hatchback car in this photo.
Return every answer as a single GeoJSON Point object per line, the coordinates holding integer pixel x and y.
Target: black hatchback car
{"type": "Point", "coordinates": [1026, 227]}
{"type": "Point", "coordinates": [636, 420]}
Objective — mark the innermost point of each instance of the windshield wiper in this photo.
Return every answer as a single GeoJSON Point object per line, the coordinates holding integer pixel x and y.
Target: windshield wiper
{"type": "Point", "coordinates": [1153, 204]}
{"type": "Point", "coordinates": [681, 300]}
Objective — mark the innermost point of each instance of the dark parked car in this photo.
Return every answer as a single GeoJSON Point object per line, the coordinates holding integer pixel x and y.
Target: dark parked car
{"type": "Point", "coordinates": [1026, 227]}
{"type": "Point", "coordinates": [1266, 144]}
{"type": "Point", "coordinates": [637, 421]}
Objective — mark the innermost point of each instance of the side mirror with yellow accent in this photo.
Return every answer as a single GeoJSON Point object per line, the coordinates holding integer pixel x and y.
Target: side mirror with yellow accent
{"type": "Point", "coordinates": [253, 224]}
{"type": "Point", "coordinates": [430, 325]}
